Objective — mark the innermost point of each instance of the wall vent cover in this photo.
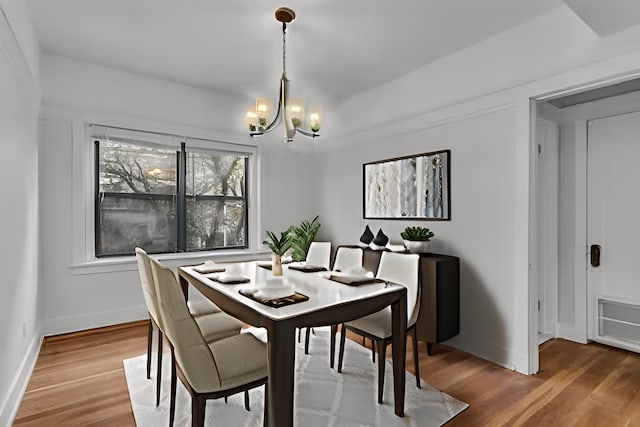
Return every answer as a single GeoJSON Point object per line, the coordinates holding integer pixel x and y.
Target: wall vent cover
{"type": "Point", "coordinates": [619, 324]}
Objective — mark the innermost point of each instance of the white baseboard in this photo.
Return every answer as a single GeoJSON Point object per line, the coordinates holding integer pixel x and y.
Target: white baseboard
{"type": "Point", "coordinates": [11, 404]}
{"type": "Point", "coordinates": [568, 332]}
{"type": "Point", "coordinates": [63, 325]}
{"type": "Point", "coordinates": [501, 356]}
{"type": "Point", "coordinates": [542, 338]}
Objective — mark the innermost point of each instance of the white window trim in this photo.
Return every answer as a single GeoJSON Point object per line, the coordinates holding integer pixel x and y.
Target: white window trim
{"type": "Point", "coordinates": [84, 260]}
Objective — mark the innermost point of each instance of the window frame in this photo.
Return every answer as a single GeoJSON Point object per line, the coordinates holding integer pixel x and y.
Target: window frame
{"type": "Point", "coordinates": [84, 260]}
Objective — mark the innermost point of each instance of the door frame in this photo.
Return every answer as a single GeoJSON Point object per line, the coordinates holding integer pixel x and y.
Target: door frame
{"type": "Point", "coordinates": [547, 187]}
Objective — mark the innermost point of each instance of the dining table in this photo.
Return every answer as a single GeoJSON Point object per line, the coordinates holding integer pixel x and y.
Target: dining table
{"type": "Point", "coordinates": [320, 301]}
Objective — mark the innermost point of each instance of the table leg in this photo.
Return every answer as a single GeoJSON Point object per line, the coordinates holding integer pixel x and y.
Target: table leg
{"type": "Point", "coordinates": [399, 344]}
{"type": "Point", "coordinates": [184, 285]}
{"type": "Point", "coordinates": [281, 364]}
{"type": "Point", "coordinates": [332, 351]}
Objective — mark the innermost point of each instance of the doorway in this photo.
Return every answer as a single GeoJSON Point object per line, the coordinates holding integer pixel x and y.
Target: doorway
{"type": "Point", "coordinates": [567, 287]}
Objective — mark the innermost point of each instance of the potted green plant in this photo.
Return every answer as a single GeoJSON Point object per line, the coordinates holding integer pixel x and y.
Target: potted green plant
{"type": "Point", "coordinates": [416, 239]}
{"type": "Point", "coordinates": [301, 237]}
{"type": "Point", "coordinates": [278, 246]}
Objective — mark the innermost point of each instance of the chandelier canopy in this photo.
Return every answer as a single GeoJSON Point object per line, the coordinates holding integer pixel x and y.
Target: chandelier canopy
{"type": "Point", "coordinates": [291, 109]}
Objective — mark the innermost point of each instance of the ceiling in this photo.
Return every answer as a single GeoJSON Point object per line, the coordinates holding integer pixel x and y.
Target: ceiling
{"type": "Point", "coordinates": [335, 48]}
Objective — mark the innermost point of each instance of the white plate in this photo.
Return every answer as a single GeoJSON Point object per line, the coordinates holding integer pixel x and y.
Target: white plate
{"type": "Point", "coordinates": [281, 292]}
{"type": "Point", "coordinates": [208, 267]}
{"type": "Point", "coordinates": [226, 278]}
{"type": "Point", "coordinates": [275, 283]}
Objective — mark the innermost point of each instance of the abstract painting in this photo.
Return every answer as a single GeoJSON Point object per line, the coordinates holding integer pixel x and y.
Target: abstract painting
{"type": "Point", "coordinates": [415, 186]}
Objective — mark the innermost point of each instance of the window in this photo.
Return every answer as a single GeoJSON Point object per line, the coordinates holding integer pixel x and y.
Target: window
{"type": "Point", "coordinates": [158, 193]}
{"type": "Point", "coordinates": [216, 201]}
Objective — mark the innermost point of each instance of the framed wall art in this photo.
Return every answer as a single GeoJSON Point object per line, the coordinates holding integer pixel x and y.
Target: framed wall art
{"type": "Point", "coordinates": [410, 187]}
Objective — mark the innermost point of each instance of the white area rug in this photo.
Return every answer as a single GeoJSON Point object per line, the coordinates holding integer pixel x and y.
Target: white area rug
{"type": "Point", "coordinates": [323, 397]}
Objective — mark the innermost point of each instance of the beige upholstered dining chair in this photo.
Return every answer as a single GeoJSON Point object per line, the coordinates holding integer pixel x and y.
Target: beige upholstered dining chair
{"type": "Point", "coordinates": [213, 323]}
{"type": "Point", "coordinates": [402, 269]}
{"type": "Point", "coordinates": [207, 370]}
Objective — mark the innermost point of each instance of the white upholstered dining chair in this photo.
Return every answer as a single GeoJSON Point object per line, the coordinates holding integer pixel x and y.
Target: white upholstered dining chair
{"type": "Point", "coordinates": [347, 259]}
{"type": "Point", "coordinates": [319, 254]}
{"type": "Point", "coordinates": [397, 268]}
{"type": "Point", "coordinates": [207, 370]}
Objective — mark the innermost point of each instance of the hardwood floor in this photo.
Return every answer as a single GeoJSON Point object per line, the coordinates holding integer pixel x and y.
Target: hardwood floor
{"type": "Point", "coordinates": [79, 380]}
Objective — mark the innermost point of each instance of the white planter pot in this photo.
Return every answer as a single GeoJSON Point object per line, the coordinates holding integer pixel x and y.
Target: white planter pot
{"type": "Point", "coordinates": [417, 246]}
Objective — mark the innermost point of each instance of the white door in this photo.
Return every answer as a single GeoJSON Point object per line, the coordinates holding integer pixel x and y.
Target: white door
{"type": "Point", "coordinates": [613, 212]}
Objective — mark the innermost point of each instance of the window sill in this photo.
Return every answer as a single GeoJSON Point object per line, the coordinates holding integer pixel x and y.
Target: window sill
{"type": "Point", "coordinates": [129, 263]}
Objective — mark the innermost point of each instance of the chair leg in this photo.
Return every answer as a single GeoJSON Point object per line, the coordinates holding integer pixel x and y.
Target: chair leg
{"type": "Point", "coordinates": [299, 332]}
{"type": "Point", "coordinates": [246, 400]}
{"type": "Point", "coordinates": [149, 339]}
{"type": "Point", "coordinates": [306, 342]}
{"type": "Point", "coordinates": [415, 356]}
{"type": "Point", "coordinates": [381, 363]}
{"type": "Point", "coordinates": [197, 411]}
{"type": "Point", "coordinates": [373, 348]}
{"type": "Point", "coordinates": [343, 334]}
{"type": "Point", "coordinates": [159, 368]}
{"type": "Point", "coordinates": [172, 399]}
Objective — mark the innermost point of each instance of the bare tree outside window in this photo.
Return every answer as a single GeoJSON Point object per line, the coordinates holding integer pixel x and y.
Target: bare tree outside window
{"type": "Point", "coordinates": [216, 204]}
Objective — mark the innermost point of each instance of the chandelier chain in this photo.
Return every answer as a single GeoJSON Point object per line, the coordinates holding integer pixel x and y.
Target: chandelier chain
{"type": "Point", "coordinates": [284, 48]}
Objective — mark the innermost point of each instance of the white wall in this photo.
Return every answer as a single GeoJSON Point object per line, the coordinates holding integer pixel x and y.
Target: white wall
{"type": "Point", "coordinates": [481, 230]}
{"type": "Point", "coordinates": [80, 295]}
{"type": "Point", "coordinates": [19, 300]}
{"type": "Point", "coordinates": [286, 185]}
{"type": "Point", "coordinates": [572, 271]}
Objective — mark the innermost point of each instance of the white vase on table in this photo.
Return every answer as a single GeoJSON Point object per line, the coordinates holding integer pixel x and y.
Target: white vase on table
{"type": "Point", "coordinates": [417, 246]}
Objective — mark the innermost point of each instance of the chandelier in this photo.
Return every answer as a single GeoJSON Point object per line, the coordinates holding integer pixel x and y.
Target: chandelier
{"type": "Point", "coordinates": [292, 109]}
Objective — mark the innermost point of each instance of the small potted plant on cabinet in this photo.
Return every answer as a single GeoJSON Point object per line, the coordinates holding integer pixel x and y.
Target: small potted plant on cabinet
{"type": "Point", "coordinates": [417, 239]}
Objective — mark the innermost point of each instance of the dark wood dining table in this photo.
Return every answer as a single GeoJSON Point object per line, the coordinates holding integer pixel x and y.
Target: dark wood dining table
{"type": "Point", "coordinates": [329, 303]}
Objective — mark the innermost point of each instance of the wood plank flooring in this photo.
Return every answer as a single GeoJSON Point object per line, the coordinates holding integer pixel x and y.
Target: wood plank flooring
{"type": "Point", "coordinates": [79, 381]}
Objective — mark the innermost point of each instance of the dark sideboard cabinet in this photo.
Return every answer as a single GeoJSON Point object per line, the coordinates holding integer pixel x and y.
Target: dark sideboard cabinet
{"type": "Point", "coordinates": [439, 317]}
{"type": "Point", "coordinates": [439, 278]}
